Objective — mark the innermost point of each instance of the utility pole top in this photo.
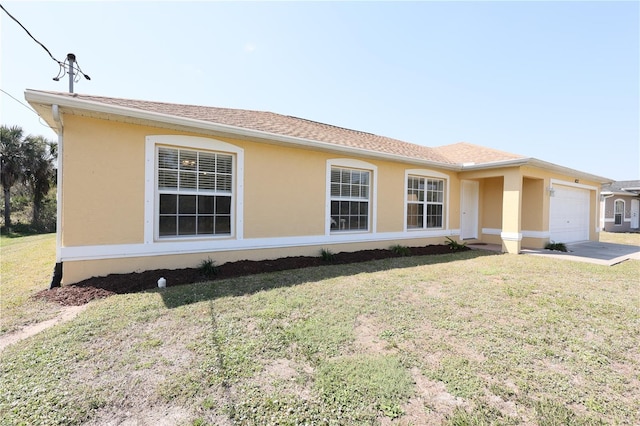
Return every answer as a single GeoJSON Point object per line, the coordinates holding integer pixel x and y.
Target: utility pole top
{"type": "Point", "coordinates": [72, 59]}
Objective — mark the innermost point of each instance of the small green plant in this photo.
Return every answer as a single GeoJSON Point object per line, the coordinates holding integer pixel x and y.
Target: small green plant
{"type": "Point", "coordinates": [393, 411]}
{"type": "Point", "coordinates": [208, 267]}
{"type": "Point", "coordinates": [454, 245]}
{"type": "Point", "coordinates": [399, 250]}
{"type": "Point", "coordinates": [327, 255]}
{"type": "Point", "coordinates": [556, 246]}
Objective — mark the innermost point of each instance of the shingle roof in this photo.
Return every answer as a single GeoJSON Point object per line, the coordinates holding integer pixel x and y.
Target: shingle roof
{"type": "Point", "coordinates": [278, 124]}
{"type": "Point", "coordinates": [464, 152]}
{"type": "Point", "coordinates": [631, 187]}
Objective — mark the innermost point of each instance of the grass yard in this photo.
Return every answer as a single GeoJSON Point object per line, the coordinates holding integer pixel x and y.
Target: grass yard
{"type": "Point", "coordinates": [26, 267]}
{"type": "Point", "coordinates": [461, 339]}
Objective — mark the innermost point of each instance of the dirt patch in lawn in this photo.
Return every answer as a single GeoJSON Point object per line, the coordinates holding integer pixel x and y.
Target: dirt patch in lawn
{"type": "Point", "coordinates": [101, 287]}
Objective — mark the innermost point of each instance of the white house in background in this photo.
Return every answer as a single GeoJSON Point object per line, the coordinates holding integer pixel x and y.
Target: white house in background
{"type": "Point", "coordinates": [620, 206]}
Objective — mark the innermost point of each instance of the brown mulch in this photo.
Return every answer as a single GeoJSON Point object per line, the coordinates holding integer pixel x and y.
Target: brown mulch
{"type": "Point", "coordinates": [101, 287]}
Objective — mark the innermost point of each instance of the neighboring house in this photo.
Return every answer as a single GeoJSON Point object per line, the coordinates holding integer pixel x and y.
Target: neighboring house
{"type": "Point", "coordinates": [620, 206]}
{"type": "Point", "coordinates": [149, 185]}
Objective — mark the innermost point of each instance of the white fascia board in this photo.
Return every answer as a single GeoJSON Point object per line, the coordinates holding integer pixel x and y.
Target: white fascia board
{"type": "Point", "coordinates": [495, 164]}
{"type": "Point", "coordinates": [537, 163]}
{"type": "Point", "coordinates": [569, 171]}
{"type": "Point", "coordinates": [65, 101]}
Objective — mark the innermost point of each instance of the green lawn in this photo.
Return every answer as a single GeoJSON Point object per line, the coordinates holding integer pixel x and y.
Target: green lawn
{"type": "Point", "coordinates": [26, 267]}
{"type": "Point", "coordinates": [462, 339]}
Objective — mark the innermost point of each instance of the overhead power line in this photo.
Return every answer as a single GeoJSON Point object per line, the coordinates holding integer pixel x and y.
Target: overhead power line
{"type": "Point", "coordinates": [71, 65]}
{"type": "Point", "coordinates": [18, 100]}
{"type": "Point", "coordinates": [27, 107]}
{"type": "Point", "coordinates": [27, 31]}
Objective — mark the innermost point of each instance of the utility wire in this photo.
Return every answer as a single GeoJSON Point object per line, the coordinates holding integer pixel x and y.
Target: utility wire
{"type": "Point", "coordinates": [34, 39]}
{"type": "Point", "coordinates": [27, 107]}
{"type": "Point", "coordinates": [18, 100]}
{"type": "Point", "coordinates": [62, 65]}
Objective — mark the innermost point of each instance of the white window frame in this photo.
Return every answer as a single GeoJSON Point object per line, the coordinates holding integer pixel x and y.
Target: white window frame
{"type": "Point", "coordinates": [348, 163]}
{"type": "Point", "coordinates": [427, 174]}
{"type": "Point", "coordinates": [151, 213]}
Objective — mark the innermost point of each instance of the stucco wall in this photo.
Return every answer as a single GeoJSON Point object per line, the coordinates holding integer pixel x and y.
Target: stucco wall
{"type": "Point", "coordinates": [284, 197]}
{"type": "Point", "coordinates": [105, 222]}
{"type": "Point", "coordinates": [103, 182]}
{"type": "Point", "coordinates": [533, 204]}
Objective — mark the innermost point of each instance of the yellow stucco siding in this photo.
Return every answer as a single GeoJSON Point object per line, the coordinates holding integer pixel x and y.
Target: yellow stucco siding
{"type": "Point", "coordinates": [103, 182]}
{"type": "Point", "coordinates": [281, 194]}
{"type": "Point", "coordinates": [491, 203]}
{"type": "Point", "coordinates": [284, 192]}
{"type": "Point", "coordinates": [452, 207]}
{"type": "Point", "coordinates": [284, 187]}
{"type": "Point", "coordinates": [533, 194]}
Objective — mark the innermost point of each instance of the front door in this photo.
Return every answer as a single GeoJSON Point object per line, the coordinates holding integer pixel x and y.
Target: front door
{"type": "Point", "coordinates": [469, 210]}
{"type": "Point", "coordinates": [635, 212]}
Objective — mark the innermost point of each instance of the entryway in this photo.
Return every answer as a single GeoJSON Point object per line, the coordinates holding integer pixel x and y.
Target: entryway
{"type": "Point", "coordinates": [469, 210]}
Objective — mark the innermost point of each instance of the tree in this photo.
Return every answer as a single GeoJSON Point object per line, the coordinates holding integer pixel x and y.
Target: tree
{"type": "Point", "coordinates": [11, 164]}
{"type": "Point", "coordinates": [38, 171]}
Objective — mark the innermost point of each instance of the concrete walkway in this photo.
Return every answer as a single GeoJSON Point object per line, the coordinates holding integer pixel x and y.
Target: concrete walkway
{"type": "Point", "coordinates": [595, 252]}
{"type": "Point", "coordinates": [608, 254]}
{"type": "Point", "coordinates": [66, 314]}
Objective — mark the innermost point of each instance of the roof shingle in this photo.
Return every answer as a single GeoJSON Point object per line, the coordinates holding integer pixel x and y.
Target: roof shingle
{"type": "Point", "coordinates": [464, 152]}
{"type": "Point", "coordinates": [277, 124]}
{"type": "Point", "coordinates": [285, 125]}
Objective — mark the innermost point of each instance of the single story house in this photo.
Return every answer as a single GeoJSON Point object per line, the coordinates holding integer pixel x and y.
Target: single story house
{"type": "Point", "coordinates": [149, 185]}
{"type": "Point", "coordinates": [620, 206]}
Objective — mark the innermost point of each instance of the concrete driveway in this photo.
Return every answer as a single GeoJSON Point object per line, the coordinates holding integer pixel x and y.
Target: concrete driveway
{"type": "Point", "coordinates": [592, 252]}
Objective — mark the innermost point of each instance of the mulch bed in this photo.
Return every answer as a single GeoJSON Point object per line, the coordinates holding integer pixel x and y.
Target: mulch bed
{"type": "Point", "coordinates": [101, 287]}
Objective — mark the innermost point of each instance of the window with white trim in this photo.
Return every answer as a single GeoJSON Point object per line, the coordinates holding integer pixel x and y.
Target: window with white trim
{"type": "Point", "coordinates": [350, 194]}
{"type": "Point", "coordinates": [425, 202]}
{"type": "Point", "coordinates": [194, 192]}
{"type": "Point", "coordinates": [618, 214]}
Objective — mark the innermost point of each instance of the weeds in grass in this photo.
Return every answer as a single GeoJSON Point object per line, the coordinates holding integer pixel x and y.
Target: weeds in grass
{"type": "Point", "coordinates": [481, 415]}
{"type": "Point", "coordinates": [363, 381]}
{"type": "Point", "coordinates": [555, 339]}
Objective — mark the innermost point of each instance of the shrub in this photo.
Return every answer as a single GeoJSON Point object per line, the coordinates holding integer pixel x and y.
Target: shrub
{"type": "Point", "coordinates": [327, 255]}
{"type": "Point", "coordinates": [454, 245]}
{"type": "Point", "coordinates": [556, 246]}
{"type": "Point", "coordinates": [208, 267]}
{"type": "Point", "coordinates": [399, 250]}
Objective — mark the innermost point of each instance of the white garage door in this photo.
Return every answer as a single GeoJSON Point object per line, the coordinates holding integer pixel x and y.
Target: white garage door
{"type": "Point", "coordinates": [569, 214]}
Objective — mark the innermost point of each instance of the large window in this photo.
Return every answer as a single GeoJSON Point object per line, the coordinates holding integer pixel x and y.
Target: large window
{"type": "Point", "coordinates": [425, 202]}
{"type": "Point", "coordinates": [350, 194]}
{"type": "Point", "coordinates": [195, 191]}
{"type": "Point", "coordinates": [618, 212]}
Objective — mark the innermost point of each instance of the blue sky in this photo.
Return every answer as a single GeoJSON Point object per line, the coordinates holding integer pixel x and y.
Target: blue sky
{"type": "Point", "coordinates": [558, 81]}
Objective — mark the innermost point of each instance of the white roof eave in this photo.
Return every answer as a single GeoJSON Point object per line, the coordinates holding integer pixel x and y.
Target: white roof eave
{"type": "Point", "coordinates": [530, 161]}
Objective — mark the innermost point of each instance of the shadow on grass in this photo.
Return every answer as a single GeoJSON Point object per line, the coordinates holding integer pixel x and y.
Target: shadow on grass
{"type": "Point", "coordinates": [177, 296]}
{"type": "Point", "coordinates": [19, 230]}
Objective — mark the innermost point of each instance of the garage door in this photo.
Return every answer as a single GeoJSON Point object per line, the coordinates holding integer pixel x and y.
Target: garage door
{"type": "Point", "coordinates": [569, 214]}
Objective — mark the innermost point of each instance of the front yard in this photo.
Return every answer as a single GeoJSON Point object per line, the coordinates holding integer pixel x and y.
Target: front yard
{"type": "Point", "coordinates": [467, 338]}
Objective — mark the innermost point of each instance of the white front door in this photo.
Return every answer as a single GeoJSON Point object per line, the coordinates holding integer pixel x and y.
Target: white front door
{"type": "Point", "coordinates": [635, 212]}
{"type": "Point", "coordinates": [469, 210]}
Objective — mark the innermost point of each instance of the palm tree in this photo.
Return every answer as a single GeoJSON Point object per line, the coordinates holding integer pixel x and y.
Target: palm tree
{"type": "Point", "coordinates": [38, 170]}
{"type": "Point", "coordinates": [11, 163]}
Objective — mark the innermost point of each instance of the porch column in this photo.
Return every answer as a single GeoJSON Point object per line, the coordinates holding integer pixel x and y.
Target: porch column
{"type": "Point", "coordinates": [512, 212]}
